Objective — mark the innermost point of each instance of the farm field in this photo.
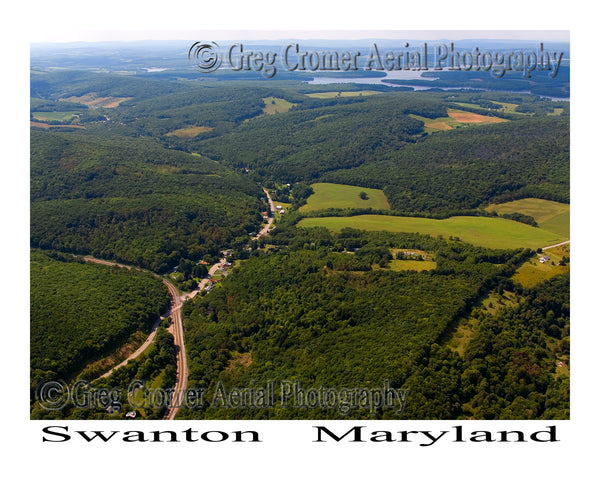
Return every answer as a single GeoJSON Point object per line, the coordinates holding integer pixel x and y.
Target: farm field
{"type": "Point", "coordinates": [418, 265]}
{"type": "Point", "coordinates": [332, 195]}
{"type": "Point", "coordinates": [92, 100]}
{"type": "Point", "coordinates": [48, 126]}
{"type": "Point", "coordinates": [480, 231]}
{"type": "Point", "coordinates": [455, 118]}
{"type": "Point", "coordinates": [533, 272]}
{"type": "Point", "coordinates": [506, 107]}
{"type": "Point", "coordinates": [469, 117]}
{"type": "Point", "coordinates": [551, 216]}
{"type": "Point", "coordinates": [53, 116]}
{"type": "Point", "coordinates": [189, 132]}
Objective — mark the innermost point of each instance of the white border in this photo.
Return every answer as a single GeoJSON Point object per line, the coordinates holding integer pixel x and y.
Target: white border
{"type": "Point", "coordinates": [290, 453]}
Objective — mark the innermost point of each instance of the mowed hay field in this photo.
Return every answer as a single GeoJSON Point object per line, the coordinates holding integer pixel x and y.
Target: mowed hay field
{"type": "Point", "coordinates": [189, 132]}
{"type": "Point", "coordinates": [482, 231]}
{"type": "Point", "coordinates": [551, 216]}
{"type": "Point", "coordinates": [53, 116]}
{"type": "Point", "coordinates": [92, 100]}
{"type": "Point", "coordinates": [469, 117]}
{"type": "Point", "coordinates": [332, 195]}
{"type": "Point", "coordinates": [455, 118]}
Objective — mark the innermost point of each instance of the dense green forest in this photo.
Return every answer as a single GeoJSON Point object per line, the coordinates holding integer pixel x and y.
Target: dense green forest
{"type": "Point", "coordinates": [313, 312]}
{"type": "Point", "coordinates": [165, 171]}
{"type": "Point", "coordinates": [156, 366]}
{"type": "Point", "coordinates": [135, 201]}
{"type": "Point", "coordinates": [462, 169]}
{"type": "Point", "coordinates": [81, 311]}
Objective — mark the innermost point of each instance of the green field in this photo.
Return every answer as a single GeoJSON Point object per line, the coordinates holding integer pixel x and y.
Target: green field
{"type": "Point", "coordinates": [533, 272]}
{"type": "Point", "coordinates": [551, 216]}
{"type": "Point", "coordinates": [419, 266]}
{"type": "Point", "coordinates": [332, 195]}
{"type": "Point", "coordinates": [481, 231]}
{"type": "Point", "coordinates": [53, 116]}
{"type": "Point", "coordinates": [189, 132]}
{"type": "Point", "coordinates": [276, 105]}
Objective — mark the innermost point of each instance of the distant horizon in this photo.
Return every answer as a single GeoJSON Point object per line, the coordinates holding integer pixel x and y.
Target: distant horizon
{"type": "Point", "coordinates": [312, 35]}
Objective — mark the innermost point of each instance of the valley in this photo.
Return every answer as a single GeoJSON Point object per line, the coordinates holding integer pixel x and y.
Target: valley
{"type": "Point", "coordinates": [279, 231]}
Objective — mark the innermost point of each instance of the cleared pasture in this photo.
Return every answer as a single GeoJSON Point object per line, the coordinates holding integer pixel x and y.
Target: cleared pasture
{"type": "Point", "coordinates": [552, 216]}
{"type": "Point", "coordinates": [482, 231]}
{"type": "Point", "coordinates": [332, 195]}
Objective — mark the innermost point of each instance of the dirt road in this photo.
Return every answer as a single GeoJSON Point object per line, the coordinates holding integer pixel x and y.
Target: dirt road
{"type": "Point", "coordinates": [150, 338]}
{"type": "Point", "coordinates": [557, 245]}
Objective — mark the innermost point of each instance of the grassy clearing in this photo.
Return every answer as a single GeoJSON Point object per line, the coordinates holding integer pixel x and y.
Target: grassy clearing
{"type": "Point", "coordinates": [53, 116]}
{"type": "Point", "coordinates": [92, 100]}
{"type": "Point", "coordinates": [189, 132]}
{"type": "Point", "coordinates": [358, 93]}
{"type": "Point", "coordinates": [481, 231]}
{"type": "Point", "coordinates": [276, 105]}
{"type": "Point", "coordinates": [469, 117]}
{"type": "Point", "coordinates": [510, 108]}
{"type": "Point", "coordinates": [332, 195]}
{"type": "Point", "coordinates": [46, 125]}
{"type": "Point", "coordinates": [455, 119]}
{"type": "Point", "coordinates": [285, 207]}
{"type": "Point", "coordinates": [533, 272]}
{"type": "Point", "coordinates": [239, 361]}
{"type": "Point", "coordinates": [551, 216]}
{"type": "Point", "coordinates": [468, 105]}
{"type": "Point", "coordinates": [418, 265]}
{"type": "Point", "coordinates": [468, 326]}
{"type": "Point", "coordinates": [437, 124]}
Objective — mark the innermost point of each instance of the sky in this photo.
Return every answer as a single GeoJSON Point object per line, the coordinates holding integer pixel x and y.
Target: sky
{"type": "Point", "coordinates": [73, 20]}
{"type": "Point", "coordinates": [60, 35]}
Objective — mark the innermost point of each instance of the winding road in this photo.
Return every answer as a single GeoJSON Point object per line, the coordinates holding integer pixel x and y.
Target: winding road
{"type": "Point", "coordinates": [176, 328]}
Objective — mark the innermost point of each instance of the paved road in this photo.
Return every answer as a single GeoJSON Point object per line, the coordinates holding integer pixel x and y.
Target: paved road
{"type": "Point", "coordinates": [267, 227]}
{"type": "Point", "coordinates": [176, 330]}
{"type": "Point", "coordinates": [176, 327]}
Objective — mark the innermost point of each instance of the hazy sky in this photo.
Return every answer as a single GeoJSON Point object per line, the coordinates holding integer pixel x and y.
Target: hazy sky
{"type": "Point", "coordinates": [74, 20]}
{"type": "Point", "coordinates": [62, 35]}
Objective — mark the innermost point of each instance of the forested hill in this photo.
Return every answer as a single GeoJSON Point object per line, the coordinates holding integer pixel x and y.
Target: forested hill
{"type": "Point", "coordinates": [461, 169]}
{"type": "Point", "coordinates": [135, 201]}
{"type": "Point", "coordinates": [59, 84]}
{"type": "Point", "coordinates": [302, 144]}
